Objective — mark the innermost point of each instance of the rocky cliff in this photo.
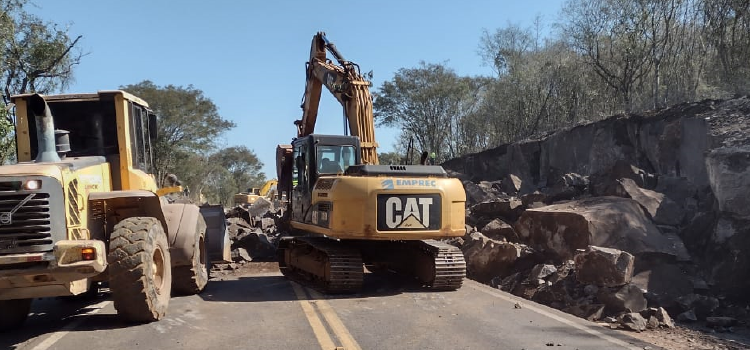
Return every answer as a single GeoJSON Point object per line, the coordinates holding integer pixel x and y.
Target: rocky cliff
{"type": "Point", "coordinates": [670, 187]}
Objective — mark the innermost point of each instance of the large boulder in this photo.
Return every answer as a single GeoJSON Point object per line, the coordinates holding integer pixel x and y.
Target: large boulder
{"type": "Point", "coordinates": [566, 187]}
{"type": "Point", "coordinates": [628, 298]}
{"type": "Point", "coordinates": [611, 222]}
{"type": "Point", "coordinates": [604, 183]}
{"type": "Point", "coordinates": [604, 267]}
{"type": "Point", "coordinates": [487, 258]}
{"type": "Point", "coordinates": [256, 244]}
{"type": "Point", "coordinates": [499, 230]}
{"type": "Point", "coordinates": [664, 284]}
{"type": "Point", "coordinates": [508, 208]}
{"type": "Point", "coordinates": [662, 209]}
{"type": "Point", "coordinates": [260, 207]}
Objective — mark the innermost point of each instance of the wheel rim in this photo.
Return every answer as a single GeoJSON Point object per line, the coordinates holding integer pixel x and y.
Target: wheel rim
{"type": "Point", "coordinates": [158, 269]}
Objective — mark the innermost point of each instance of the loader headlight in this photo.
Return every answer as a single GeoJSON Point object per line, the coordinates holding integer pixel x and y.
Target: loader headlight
{"type": "Point", "coordinates": [32, 185]}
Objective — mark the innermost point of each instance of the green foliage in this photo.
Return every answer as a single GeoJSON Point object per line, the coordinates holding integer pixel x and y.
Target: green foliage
{"type": "Point", "coordinates": [35, 55]}
{"type": "Point", "coordinates": [188, 126]}
{"type": "Point", "coordinates": [188, 122]}
{"type": "Point", "coordinates": [243, 166]}
{"type": "Point", "coordinates": [429, 103]}
{"type": "Point", "coordinates": [7, 138]}
{"type": "Point", "coordinates": [391, 158]}
{"type": "Point", "coordinates": [605, 57]}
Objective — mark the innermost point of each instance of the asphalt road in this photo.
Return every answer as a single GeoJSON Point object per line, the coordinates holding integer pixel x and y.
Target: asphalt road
{"type": "Point", "coordinates": [262, 310]}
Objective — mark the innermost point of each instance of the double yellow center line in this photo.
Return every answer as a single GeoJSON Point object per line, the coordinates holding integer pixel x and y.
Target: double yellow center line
{"type": "Point", "coordinates": [317, 307]}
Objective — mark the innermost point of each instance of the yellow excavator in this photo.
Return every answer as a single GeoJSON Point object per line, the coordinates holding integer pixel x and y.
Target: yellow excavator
{"type": "Point", "coordinates": [345, 210]}
{"type": "Point", "coordinates": [268, 191]}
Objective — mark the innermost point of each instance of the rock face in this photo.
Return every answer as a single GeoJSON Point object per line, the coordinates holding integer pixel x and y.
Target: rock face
{"type": "Point", "coordinates": [675, 163]}
{"type": "Point", "coordinates": [602, 221]}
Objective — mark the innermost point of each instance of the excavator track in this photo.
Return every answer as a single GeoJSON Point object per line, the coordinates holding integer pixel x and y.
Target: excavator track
{"type": "Point", "coordinates": [321, 263]}
{"type": "Point", "coordinates": [434, 264]}
{"type": "Point", "coordinates": [450, 266]}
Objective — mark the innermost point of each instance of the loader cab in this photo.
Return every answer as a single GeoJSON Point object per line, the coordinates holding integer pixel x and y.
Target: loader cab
{"type": "Point", "coordinates": [92, 122]}
{"type": "Point", "coordinates": [315, 157]}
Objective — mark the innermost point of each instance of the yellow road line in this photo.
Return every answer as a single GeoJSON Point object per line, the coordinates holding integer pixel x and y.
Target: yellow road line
{"type": "Point", "coordinates": [334, 321]}
{"type": "Point", "coordinates": [324, 339]}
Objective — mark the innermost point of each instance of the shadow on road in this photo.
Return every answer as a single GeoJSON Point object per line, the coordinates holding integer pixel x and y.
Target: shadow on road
{"type": "Point", "coordinates": [278, 288]}
{"type": "Point", "coordinates": [49, 315]}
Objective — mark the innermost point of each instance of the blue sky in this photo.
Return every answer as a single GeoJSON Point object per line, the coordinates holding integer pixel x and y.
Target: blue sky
{"type": "Point", "coordinates": [248, 56]}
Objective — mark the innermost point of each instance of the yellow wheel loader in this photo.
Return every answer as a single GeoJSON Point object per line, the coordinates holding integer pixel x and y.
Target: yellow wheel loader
{"type": "Point", "coordinates": [81, 207]}
{"type": "Point", "coordinates": [345, 210]}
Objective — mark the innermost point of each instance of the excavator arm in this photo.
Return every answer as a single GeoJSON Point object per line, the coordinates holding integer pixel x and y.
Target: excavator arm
{"type": "Point", "coordinates": [348, 86]}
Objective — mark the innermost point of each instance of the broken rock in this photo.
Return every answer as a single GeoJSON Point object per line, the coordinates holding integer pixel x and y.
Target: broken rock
{"type": "Point", "coordinates": [720, 322]}
{"type": "Point", "coordinates": [508, 208]}
{"type": "Point", "coordinates": [610, 222]}
{"type": "Point", "coordinates": [604, 267]}
{"type": "Point", "coordinates": [664, 284]}
{"type": "Point", "coordinates": [591, 312]}
{"type": "Point", "coordinates": [662, 209]}
{"type": "Point", "coordinates": [257, 246]}
{"type": "Point", "coordinates": [687, 316]}
{"type": "Point", "coordinates": [626, 298]}
{"type": "Point", "coordinates": [487, 258]}
{"type": "Point", "coordinates": [660, 315]}
{"type": "Point", "coordinates": [497, 229]}
{"type": "Point", "coordinates": [633, 321]}
{"type": "Point", "coordinates": [542, 271]}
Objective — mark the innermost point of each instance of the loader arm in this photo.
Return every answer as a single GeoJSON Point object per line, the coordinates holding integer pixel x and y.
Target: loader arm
{"type": "Point", "coordinates": [348, 86]}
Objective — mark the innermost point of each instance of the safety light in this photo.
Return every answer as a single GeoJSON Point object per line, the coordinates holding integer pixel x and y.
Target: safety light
{"type": "Point", "coordinates": [88, 253]}
{"type": "Point", "coordinates": [32, 185]}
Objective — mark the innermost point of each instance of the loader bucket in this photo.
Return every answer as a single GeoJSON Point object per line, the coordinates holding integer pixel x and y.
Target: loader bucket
{"type": "Point", "coordinates": [219, 246]}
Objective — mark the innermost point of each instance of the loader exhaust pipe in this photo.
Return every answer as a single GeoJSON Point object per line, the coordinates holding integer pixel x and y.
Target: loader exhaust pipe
{"type": "Point", "coordinates": [45, 130]}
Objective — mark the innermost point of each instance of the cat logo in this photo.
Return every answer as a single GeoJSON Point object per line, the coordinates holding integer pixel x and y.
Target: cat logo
{"type": "Point", "coordinates": [408, 212]}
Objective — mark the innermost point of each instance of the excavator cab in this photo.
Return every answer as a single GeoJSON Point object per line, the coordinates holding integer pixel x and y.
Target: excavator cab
{"type": "Point", "coordinates": [315, 157]}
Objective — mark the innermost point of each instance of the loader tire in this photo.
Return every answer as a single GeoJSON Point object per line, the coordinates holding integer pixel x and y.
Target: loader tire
{"type": "Point", "coordinates": [13, 313]}
{"type": "Point", "coordinates": [140, 274]}
{"type": "Point", "coordinates": [188, 280]}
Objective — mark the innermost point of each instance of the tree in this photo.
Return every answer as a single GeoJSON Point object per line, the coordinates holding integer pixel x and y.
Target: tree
{"type": "Point", "coordinates": [35, 56]}
{"type": "Point", "coordinates": [427, 103]}
{"type": "Point", "coordinates": [727, 24]}
{"type": "Point", "coordinates": [243, 166]}
{"type": "Point", "coordinates": [188, 122]}
{"type": "Point", "coordinates": [390, 158]}
{"type": "Point", "coordinates": [610, 36]}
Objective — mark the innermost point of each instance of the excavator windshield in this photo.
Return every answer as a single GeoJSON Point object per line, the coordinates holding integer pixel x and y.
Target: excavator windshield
{"type": "Point", "coordinates": [334, 159]}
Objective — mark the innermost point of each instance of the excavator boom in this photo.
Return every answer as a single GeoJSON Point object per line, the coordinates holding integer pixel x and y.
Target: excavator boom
{"type": "Point", "coordinates": [348, 86]}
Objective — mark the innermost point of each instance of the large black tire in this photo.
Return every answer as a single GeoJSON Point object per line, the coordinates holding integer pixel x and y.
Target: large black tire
{"type": "Point", "coordinates": [13, 313]}
{"type": "Point", "coordinates": [140, 274]}
{"type": "Point", "coordinates": [188, 280]}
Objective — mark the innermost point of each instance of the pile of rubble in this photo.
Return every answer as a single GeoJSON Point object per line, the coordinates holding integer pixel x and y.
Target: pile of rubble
{"type": "Point", "coordinates": [253, 231]}
{"type": "Point", "coordinates": [625, 220]}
